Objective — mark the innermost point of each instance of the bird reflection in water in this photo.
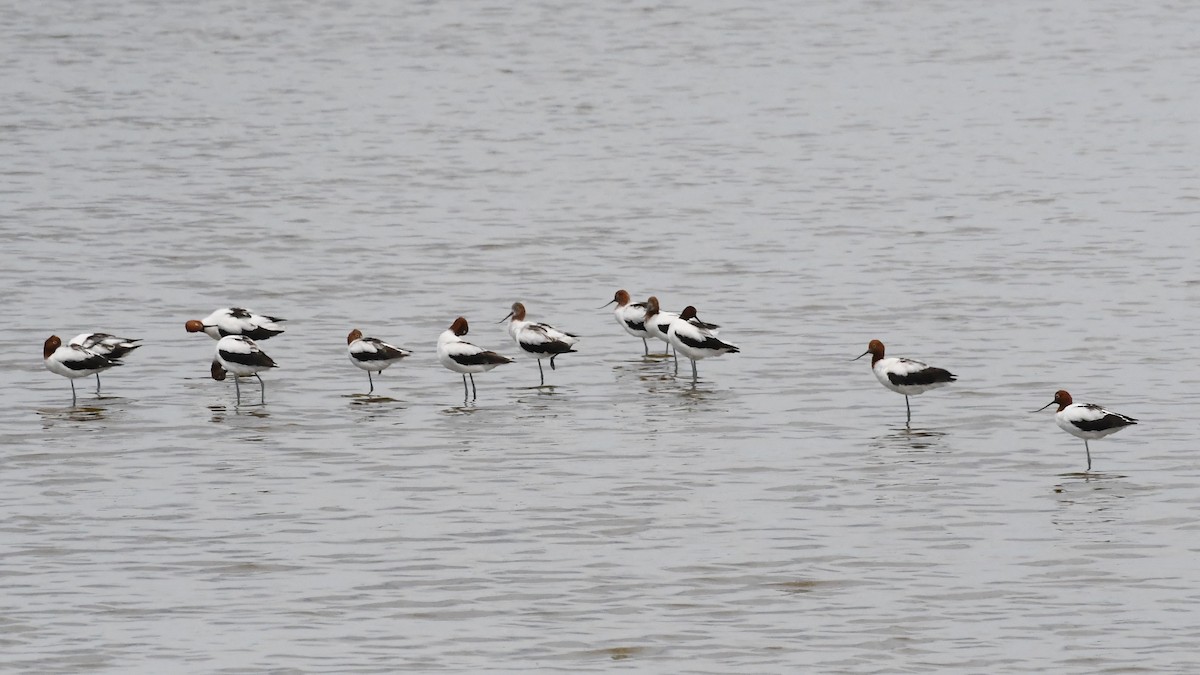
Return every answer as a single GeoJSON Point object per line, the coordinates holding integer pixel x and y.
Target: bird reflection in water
{"type": "Point", "coordinates": [369, 399]}
{"type": "Point", "coordinates": [72, 415]}
{"type": "Point", "coordinates": [220, 412]}
{"type": "Point", "coordinates": [467, 408]}
{"type": "Point", "coordinates": [910, 439]}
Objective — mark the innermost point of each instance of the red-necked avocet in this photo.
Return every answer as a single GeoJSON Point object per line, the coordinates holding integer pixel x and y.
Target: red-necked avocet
{"type": "Point", "coordinates": [105, 345]}
{"type": "Point", "coordinates": [631, 317]}
{"type": "Point", "coordinates": [905, 376]}
{"type": "Point", "coordinates": [656, 321]}
{"type": "Point", "coordinates": [236, 321]}
{"type": "Point", "coordinates": [73, 361]}
{"type": "Point", "coordinates": [372, 354]}
{"type": "Point", "coordinates": [539, 340]}
{"type": "Point", "coordinates": [1086, 420]}
{"type": "Point", "coordinates": [463, 357]}
{"type": "Point", "coordinates": [695, 339]}
{"type": "Point", "coordinates": [240, 357]}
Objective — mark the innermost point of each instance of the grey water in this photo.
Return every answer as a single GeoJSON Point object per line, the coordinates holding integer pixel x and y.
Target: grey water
{"type": "Point", "coordinates": [1005, 190]}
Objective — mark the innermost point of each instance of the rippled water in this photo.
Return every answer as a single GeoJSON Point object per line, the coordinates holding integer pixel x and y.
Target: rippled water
{"type": "Point", "coordinates": [1006, 190]}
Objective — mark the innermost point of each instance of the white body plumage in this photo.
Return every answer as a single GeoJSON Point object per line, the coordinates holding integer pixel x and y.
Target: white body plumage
{"type": "Point", "coordinates": [372, 354]}
{"type": "Point", "coordinates": [236, 321]}
{"type": "Point", "coordinates": [461, 356]}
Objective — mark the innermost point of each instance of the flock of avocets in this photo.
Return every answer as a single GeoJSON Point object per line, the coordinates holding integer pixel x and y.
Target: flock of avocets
{"type": "Point", "coordinates": [236, 331]}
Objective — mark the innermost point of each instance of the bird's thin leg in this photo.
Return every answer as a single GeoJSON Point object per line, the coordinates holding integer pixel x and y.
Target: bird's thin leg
{"type": "Point", "coordinates": [645, 347]}
{"type": "Point", "coordinates": [551, 362]}
{"type": "Point", "coordinates": [474, 394]}
{"type": "Point", "coordinates": [465, 385]}
{"type": "Point", "coordinates": [694, 376]}
{"type": "Point", "coordinates": [72, 391]}
{"type": "Point", "coordinates": [97, 383]}
{"type": "Point", "coordinates": [238, 388]}
{"type": "Point", "coordinates": [372, 383]}
{"type": "Point", "coordinates": [1089, 454]}
{"type": "Point", "coordinates": [262, 388]}
{"type": "Point", "coordinates": [541, 375]}
{"type": "Point", "coordinates": [907, 409]}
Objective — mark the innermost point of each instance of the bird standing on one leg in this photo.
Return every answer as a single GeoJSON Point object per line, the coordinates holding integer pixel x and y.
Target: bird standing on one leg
{"type": "Point", "coordinates": [372, 354]}
{"type": "Point", "coordinates": [905, 376]}
{"type": "Point", "coordinates": [631, 316]}
{"type": "Point", "coordinates": [1086, 420]}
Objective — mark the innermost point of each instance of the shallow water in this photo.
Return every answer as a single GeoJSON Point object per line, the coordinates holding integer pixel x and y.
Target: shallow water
{"type": "Point", "coordinates": [1006, 191]}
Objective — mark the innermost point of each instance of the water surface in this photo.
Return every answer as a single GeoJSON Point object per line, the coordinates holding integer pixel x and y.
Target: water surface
{"type": "Point", "coordinates": [1007, 191]}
